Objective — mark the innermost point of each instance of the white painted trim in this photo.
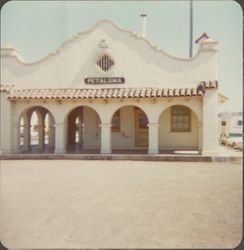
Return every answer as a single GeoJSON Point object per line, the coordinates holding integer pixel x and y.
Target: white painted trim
{"type": "Point", "coordinates": [102, 22]}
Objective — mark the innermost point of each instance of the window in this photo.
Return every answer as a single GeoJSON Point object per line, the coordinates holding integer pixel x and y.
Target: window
{"type": "Point", "coordinates": [180, 119]}
{"type": "Point", "coordinates": [143, 120]}
{"type": "Point", "coordinates": [105, 62]}
{"type": "Point", "coordinates": [239, 122]}
{"type": "Point", "coordinates": [116, 122]}
{"type": "Point", "coordinates": [223, 123]}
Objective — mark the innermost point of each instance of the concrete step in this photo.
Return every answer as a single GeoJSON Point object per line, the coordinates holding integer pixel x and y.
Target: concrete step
{"type": "Point", "coordinates": [130, 157]}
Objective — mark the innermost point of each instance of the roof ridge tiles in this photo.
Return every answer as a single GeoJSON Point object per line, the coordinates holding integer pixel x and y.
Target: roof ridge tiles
{"type": "Point", "coordinates": [142, 92]}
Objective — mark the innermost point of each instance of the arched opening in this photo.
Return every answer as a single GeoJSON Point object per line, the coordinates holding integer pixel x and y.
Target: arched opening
{"type": "Point", "coordinates": [21, 131]}
{"type": "Point", "coordinates": [178, 130]}
{"type": "Point", "coordinates": [37, 134]}
{"type": "Point", "coordinates": [49, 133]}
{"type": "Point", "coordinates": [83, 130]}
{"type": "Point", "coordinates": [35, 128]}
{"type": "Point", "coordinates": [46, 129]}
{"type": "Point", "coordinates": [129, 130]}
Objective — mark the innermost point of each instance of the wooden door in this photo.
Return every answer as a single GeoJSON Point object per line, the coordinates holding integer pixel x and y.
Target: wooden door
{"type": "Point", "coordinates": [141, 128]}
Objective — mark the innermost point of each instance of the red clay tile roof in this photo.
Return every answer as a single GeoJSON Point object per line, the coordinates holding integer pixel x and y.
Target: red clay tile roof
{"type": "Point", "coordinates": [209, 84]}
{"type": "Point", "coordinates": [6, 87]}
{"type": "Point", "coordinates": [18, 94]}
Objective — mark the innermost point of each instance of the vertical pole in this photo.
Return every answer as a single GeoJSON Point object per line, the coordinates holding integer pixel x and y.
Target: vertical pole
{"type": "Point", "coordinates": [191, 27]}
{"type": "Point", "coordinates": [143, 31]}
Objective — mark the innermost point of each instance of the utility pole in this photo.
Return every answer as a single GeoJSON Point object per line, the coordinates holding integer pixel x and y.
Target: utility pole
{"type": "Point", "coordinates": [191, 28]}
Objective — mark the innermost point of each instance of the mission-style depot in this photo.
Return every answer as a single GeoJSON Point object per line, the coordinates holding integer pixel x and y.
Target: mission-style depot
{"type": "Point", "coordinates": [109, 90]}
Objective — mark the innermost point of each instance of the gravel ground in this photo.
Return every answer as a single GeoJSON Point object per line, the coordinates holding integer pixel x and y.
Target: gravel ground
{"type": "Point", "coordinates": [120, 204]}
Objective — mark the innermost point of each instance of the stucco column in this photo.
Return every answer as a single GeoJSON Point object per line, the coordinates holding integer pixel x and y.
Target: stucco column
{"type": "Point", "coordinates": [15, 137]}
{"type": "Point", "coordinates": [26, 135]}
{"type": "Point", "coordinates": [79, 129]}
{"type": "Point", "coordinates": [5, 124]}
{"type": "Point", "coordinates": [199, 137]}
{"type": "Point", "coordinates": [153, 138]}
{"type": "Point", "coordinates": [41, 135]}
{"type": "Point", "coordinates": [41, 130]}
{"type": "Point", "coordinates": [105, 138]}
{"type": "Point", "coordinates": [51, 136]}
{"type": "Point", "coordinates": [210, 123]}
{"type": "Point", "coordinates": [51, 132]}
{"type": "Point", "coordinates": [60, 138]}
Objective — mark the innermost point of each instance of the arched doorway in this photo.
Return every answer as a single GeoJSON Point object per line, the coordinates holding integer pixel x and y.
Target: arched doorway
{"type": "Point", "coordinates": [36, 127]}
{"type": "Point", "coordinates": [129, 130]}
{"type": "Point", "coordinates": [49, 133]}
{"type": "Point", "coordinates": [83, 130]}
{"type": "Point", "coordinates": [178, 129]}
{"type": "Point", "coordinates": [22, 131]}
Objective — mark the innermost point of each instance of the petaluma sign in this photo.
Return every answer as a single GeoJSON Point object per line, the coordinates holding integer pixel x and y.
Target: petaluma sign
{"type": "Point", "coordinates": [104, 80]}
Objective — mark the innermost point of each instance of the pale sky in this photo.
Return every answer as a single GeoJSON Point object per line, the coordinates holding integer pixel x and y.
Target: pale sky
{"type": "Point", "coordinates": [39, 27]}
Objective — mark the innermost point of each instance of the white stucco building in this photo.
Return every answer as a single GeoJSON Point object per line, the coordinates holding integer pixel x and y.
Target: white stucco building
{"type": "Point", "coordinates": [110, 89]}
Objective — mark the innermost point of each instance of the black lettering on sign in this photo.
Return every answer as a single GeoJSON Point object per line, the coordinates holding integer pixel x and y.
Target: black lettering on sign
{"type": "Point", "coordinates": [104, 80]}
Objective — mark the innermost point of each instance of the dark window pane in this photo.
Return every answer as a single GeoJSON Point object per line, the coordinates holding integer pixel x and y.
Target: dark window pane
{"type": "Point", "coordinates": [180, 120]}
{"type": "Point", "coordinates": [143, 120]}
{"type": "Point", "coordinates": [223, 123]}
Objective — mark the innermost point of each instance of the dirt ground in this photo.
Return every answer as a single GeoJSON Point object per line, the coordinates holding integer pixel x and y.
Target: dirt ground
{"type": "Point", "coordinates": [120, 204]}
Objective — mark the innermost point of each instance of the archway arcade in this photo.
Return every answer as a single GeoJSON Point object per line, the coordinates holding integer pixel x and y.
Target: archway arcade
{"type": "Point", "coordinates": [36, 130]}
{"type": "Point", "coordinates": [125, 129]}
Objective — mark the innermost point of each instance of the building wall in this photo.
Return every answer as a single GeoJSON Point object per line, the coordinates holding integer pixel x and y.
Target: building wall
{"type": "Point", "coordinates": [210, 122]}
{"type": "Point", "coordinates": [177, 140]}
{"type": "Point", "coordinates": [92, 134]}
{"type": "Point", "coordinates": [5, 123]}
{"type": "Point", "coordinates": [105, 110]}
{"type": "Point", "coordinates": [69, 65]}
{"type": "Point", "coordinates": [66, 68]}
{"type": "Point", "coordinates": [125, 138]}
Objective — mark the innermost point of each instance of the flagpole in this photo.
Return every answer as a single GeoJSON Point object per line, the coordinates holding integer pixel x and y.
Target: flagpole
{"type": "Point", "coordinates": [191, 28]}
